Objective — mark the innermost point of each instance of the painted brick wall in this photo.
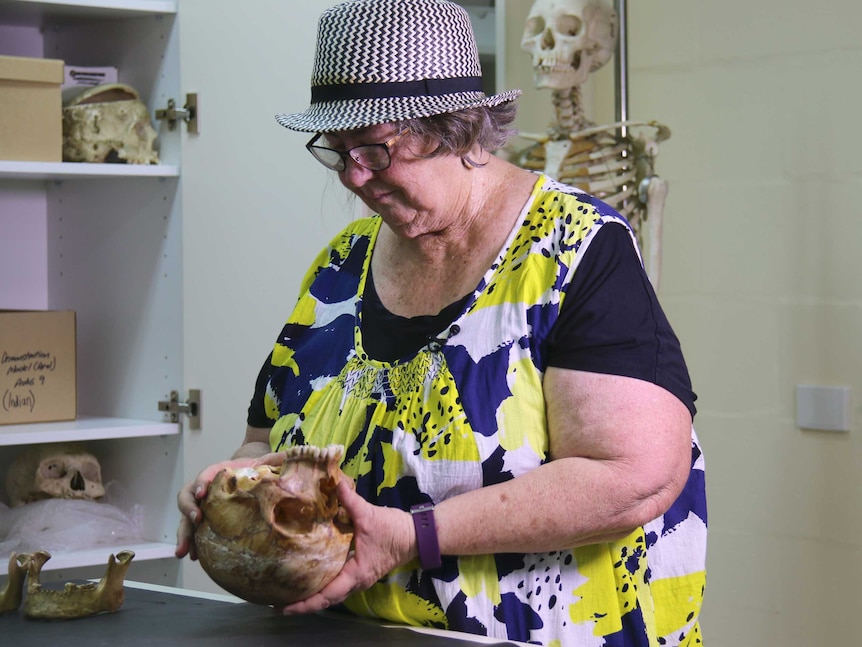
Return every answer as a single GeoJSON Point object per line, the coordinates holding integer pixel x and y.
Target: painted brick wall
{"type": "Point", "coordinates": [762, 279]}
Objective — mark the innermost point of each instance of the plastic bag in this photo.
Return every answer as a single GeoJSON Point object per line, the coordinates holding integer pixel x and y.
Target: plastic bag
{"type": "Point", "coordinates": [61, 525]}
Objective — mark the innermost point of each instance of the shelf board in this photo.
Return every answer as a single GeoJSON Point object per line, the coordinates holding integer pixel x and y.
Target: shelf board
{"type": "Point", "coordinates": [40, 171]}
{"type": "Point", "coordinates": [82, 429]}
{"type": "Point", "coordinates": [38, 12]}
{"type": "Point", "coordinates": [99, 556]}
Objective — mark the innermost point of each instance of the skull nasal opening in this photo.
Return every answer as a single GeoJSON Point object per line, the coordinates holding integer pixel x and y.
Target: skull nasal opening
{"type": "Point", "coordinates": [78, 483]}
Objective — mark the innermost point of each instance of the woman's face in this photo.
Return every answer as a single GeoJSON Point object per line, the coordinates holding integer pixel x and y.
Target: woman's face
{"type": "Point", "coordinates": [416, 194]}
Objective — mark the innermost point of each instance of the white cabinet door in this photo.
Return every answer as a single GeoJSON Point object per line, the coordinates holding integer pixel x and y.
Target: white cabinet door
{"type": "Point", "coordinates": [182, 275]}
{"type": "Point", "coordinates": [256, 208]}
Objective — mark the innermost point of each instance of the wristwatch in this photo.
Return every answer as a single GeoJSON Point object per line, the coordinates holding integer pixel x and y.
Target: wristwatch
{"type": "Point", "coordinates": [426, 536]}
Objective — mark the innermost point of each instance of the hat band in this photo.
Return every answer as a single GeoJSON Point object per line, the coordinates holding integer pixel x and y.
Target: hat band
{"type": "Point", "coordinates": [394, 89]}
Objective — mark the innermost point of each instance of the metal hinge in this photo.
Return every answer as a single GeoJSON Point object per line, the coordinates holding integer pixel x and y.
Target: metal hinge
{"type": "Point", "coordinates": [191, 407]}
{"type": "Point", "coordinates": [188, 114]}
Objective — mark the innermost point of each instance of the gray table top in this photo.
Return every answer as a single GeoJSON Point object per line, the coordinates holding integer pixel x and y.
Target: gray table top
{"type": "Point", "coordinates": [171, 618]}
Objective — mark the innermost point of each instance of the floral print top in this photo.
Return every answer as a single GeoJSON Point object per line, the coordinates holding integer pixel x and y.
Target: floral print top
{"type": "Point", "coordinates": [467, 411]}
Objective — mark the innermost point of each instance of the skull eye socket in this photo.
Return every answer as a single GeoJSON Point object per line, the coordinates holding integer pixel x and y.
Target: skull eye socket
{"type": "Point", "coordinates": [56, 468]}
{"type": "Point", "coordinates": [568, 25]}
{"type": "Point", "coordinates": [535, 26]}
{"type": "Point", "coordinates": [294, 514]}
{"type": "Point", "coordinates": [52, 469]}
{"type": "Point", "coordinates": [90, 472]}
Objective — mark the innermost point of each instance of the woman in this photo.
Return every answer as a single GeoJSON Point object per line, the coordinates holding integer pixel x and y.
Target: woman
{"type": "Point", "coordinates": [514, 406]}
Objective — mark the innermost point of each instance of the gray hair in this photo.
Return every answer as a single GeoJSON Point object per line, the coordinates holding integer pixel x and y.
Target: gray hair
{"type": "Point", "coordinates": [456, 133]}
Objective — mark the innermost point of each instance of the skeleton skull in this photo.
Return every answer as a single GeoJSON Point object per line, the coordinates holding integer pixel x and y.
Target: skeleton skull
{"type": "Point", "coordinates": [108, 123]}
{"type": "Point", "coordinates": [57, 471]}
{"type": "Point", "coordinates": [275, 535]}
{"type": "Point", "coordinates": [568, 40]}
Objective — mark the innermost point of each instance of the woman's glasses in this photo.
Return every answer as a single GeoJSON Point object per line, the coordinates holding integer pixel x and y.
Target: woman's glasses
{"type": "Point", "coordinates": [374, 157]}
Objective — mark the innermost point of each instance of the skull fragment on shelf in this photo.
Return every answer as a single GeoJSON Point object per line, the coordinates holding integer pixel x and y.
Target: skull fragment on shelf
{"type": "Point", "coordinates": [108, 123]}
{"type": "Point", "coordinates": [275, 535]}
{"type": "Point", "coordinates": [55, 471]}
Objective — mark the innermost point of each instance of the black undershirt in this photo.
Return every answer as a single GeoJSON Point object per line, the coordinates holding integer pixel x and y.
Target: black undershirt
{"type": "Point", "coordinates": [610, 322]}
{"type": "Point", "coordinates": [389, 337]}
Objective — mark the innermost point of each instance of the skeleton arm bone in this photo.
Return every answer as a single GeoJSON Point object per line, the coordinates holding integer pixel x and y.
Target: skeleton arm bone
{"type": "Point", "coordinates": [656, 194]}
{"type": "Point", "coordinates": [662, 131]}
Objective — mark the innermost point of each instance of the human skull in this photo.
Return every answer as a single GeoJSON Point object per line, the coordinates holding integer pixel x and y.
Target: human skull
{"type": "Point", "coordinates": [108, 123]}
{"type": "Point", "coordinates": [55, 471]}
{"type": "Point", "coordinates": [275, 535]}
{"type": "Point", "coordinates": [568, 40]}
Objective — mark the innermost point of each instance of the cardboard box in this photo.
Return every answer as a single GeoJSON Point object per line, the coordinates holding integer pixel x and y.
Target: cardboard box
{"type": "Point", "coordinates": [31, 110]}
{"type": "Point", "coordinates": [37, 366]}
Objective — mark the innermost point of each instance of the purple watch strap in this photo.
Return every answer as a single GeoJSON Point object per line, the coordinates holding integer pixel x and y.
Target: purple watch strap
{"type": "Point", "coordinates": [426, 536]}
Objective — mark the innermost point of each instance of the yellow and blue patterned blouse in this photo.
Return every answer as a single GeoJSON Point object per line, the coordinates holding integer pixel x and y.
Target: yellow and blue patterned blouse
{"type": "Point", "coordinates": [465, 411]}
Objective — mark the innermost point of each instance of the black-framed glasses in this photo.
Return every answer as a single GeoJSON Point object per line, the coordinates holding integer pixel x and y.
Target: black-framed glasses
{"type": "Point", "coordinates": [374, 157]}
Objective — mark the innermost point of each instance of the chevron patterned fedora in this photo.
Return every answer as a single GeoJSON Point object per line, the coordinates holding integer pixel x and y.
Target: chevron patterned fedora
{"type": "Point", "coordinates": [388, 60]}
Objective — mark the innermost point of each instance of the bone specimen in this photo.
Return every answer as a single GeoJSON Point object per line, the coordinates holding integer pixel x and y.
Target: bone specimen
{"type": "Point", "coordinates": [54, 471]}
{"type": "Point", "coordinates": [568, 40]}
{"type": "Point", "coordinates": [75, 600]}
{"type": "Point", "coordinates": [11, 596]}
{"type": "Point", "coordinates": [108, 123]}
{"type": "Point", "coordinates": [275, 535]}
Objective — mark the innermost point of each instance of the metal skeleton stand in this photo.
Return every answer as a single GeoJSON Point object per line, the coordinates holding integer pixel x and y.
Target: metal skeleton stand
{"type": "Point", "coordinates": [621, 67]}
{"type": "Point", "coordinates": [652, 190]}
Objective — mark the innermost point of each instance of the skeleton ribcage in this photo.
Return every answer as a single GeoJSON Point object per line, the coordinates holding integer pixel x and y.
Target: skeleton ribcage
{"type": "Point", "coordinates": [602, 164]}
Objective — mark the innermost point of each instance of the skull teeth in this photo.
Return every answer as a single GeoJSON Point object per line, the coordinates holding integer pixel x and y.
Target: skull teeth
{"type": "Point", "coordinates": [551, 69]}
{"type": "Point", "coordinates": [317, 454]}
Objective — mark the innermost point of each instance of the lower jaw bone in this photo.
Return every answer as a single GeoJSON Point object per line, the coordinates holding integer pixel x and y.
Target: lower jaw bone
{"type": "Point", "coordinates": [75, 600]}
{"type": "Point", "coordinates": [11, 596]}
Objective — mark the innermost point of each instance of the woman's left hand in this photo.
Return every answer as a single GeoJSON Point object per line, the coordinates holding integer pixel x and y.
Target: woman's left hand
{"type": "Point", "coordinates": [383, 539]}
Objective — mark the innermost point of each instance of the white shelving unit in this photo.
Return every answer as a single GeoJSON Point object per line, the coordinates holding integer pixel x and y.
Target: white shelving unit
{"type": "Point", "coordinates": [105, 241]}
{"type": "Point", "coordinates": [84, 428]}
{"type": "Point", "coordinates": [59, 171]}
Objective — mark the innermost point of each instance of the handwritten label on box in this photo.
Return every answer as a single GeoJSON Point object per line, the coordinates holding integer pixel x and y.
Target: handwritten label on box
{"type": "Point", "coordinates": [37, 366]}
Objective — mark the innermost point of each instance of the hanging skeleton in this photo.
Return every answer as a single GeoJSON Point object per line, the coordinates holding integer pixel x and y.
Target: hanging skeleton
{"type": "Point", "coordinates": [568, 40]}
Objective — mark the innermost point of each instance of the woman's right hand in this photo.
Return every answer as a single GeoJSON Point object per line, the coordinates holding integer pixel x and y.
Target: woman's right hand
{"type": "Point", "coordinates": [195, 491]}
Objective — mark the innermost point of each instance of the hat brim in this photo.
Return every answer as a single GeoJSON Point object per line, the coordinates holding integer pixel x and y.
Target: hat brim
{"type": "Point", "coordinates": [334, 116]}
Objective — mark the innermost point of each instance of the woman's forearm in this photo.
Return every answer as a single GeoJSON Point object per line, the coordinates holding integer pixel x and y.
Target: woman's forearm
{"type": "Point", "coordinates": [565, 503]}
{"type": "Point", "coordinates": [252, 450]}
